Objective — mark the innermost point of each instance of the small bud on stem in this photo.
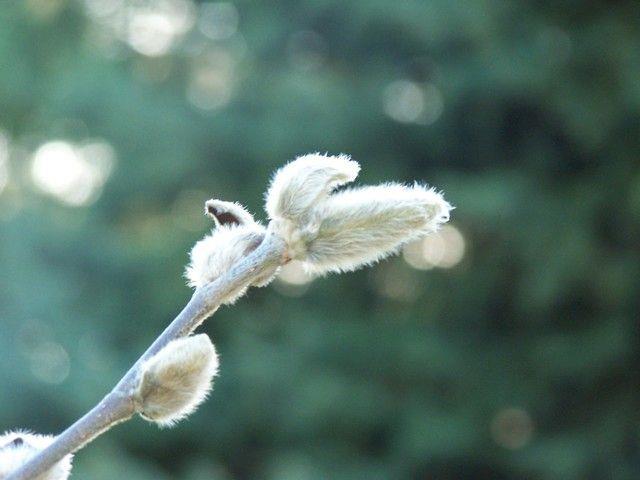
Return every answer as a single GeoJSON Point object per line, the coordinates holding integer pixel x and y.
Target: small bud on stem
{"type": "Point", "coordinates": [177, 379]}
{"type": "Point", "coordinates": [235, 235]}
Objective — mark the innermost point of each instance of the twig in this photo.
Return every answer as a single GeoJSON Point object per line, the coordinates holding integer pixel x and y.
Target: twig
{"type": "Point", "coordinates": [119, 405]}
{"type": "Point", "coordinates": [328, 231]}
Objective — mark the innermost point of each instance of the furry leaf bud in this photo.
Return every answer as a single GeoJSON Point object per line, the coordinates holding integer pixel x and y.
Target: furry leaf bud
{"type": "Point", "coordinates": [361, 226]}
{"type": "Point", "coordinates": [227, 213]}
{"type": "Point", "coordinates": [236, 234]}
{"type": "Point", "coordinates": [341, 231]}
{"type": "Point", "coordinates": [177, 379]}
{"type": "Point", "coordinates": [297, 186]}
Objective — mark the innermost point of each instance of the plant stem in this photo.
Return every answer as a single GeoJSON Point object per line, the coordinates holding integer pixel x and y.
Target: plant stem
{"type": "Point", "coordinates": [119, 406]}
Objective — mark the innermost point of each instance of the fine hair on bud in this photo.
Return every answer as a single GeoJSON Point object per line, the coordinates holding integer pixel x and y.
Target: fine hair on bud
{"type": "Point", "coordinates": [19, 446]}
{"type": "Point", "coordinates": [177, 379]}
{"type": "Point", "coordinates": [297, 186]}
{"type": "Point", "coordinates": [227, 213]}
{"type": "Point", "coordinates": [363, 225]}
{"type": "Point", "coordinates": [235, 235]}
{"type": "Point", "coordinates": [341, 231]}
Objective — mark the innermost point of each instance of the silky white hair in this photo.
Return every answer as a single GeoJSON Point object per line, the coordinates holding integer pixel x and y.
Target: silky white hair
{"type": "Point", "coordinates": [345, 230]}
{"type": "Point", "coordinates": [297, 186]}
{"type": "Point", "coordinates": [235, 235]}
{"type": "Point", "coordinates": [216, 253]}
{"type": "Point", "coordinates": [361, 226]}
{"type": "Point", "coordinates": [177, 379]}
{"type": "Point", "coordinates": [17, 447]}
{"type": "Point", "coordinates": [227, 213]}
{"type": "Point", "coordinates": [327, 231]}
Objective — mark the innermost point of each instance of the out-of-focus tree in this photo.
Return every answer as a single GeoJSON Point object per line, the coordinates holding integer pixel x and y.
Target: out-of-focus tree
{"type": "Point", "coordinates": [507, 347]}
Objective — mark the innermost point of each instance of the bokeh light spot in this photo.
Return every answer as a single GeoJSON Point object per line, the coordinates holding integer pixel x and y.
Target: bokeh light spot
{"type": "Point", "coordinates": [443, 249]}
{"type": "Point", "coordinates": [512, 428]}
{"type": "Point", "coordinates": [4, 161]}
{"type": "Point", "coordinates": [151, 33]}
{"type": "Point", "coordinates": [72, 174]}
{"type": "Point", "coordinates": [218, 20]}
{"type": "Point", "coordinates": [293, 280]}
{"type": "Point", "coordinates": [150, 27]}
{"type": "Point", "coordinates": [49, 362]}
{"type": "Point", "coordinates": [211, 80]}
{"type": "Point", "coordinates": [433, 104]}
{"type": "Point", "coordinates": [409, 102]}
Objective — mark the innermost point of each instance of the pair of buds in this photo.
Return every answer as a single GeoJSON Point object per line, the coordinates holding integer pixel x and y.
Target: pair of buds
{"type": "Point", "coordinates": [327, 230]}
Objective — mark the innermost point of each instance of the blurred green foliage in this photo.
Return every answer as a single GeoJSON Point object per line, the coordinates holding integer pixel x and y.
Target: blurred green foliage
{"type": "Point", "coordinates": [520, 362]}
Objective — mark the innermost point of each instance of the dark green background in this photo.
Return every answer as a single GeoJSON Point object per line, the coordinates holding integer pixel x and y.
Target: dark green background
{"type": "Point", "coordinates": [519, 363]}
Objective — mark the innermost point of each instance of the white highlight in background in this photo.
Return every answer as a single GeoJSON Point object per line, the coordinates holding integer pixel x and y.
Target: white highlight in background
{"type": "Point", "coordinates": [211, 80]}
{"type": "Point", "coordinates": [410, 102]}
{"type": "Point", "coordinates": [150, 27]}
{"type": "Point", "coordinates": [50, 363]}
{"type": "Point", "coordinates": [292, 280]}
{"type": "Point", "coordinates": [73, 174]}
{"type": "Point", "coordinates": [4, 161]}
{"type": "Point", "coordinates": [218, 20]}
{"type": "Point", "coordinates": [443, 249]}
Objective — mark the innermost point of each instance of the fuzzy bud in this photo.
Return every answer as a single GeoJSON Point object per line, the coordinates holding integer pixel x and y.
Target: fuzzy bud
{"type": "Point", "coordinates": [177, 379]}
{"type": "Point", "coordinates": [344, 230]}
{"type": "Point", "coordinates": [363, 225]}
{"type": "Point", "coordinates": [227, 213]}
{"type": "Point", "coordinates": [236, 234]}
{"type": "Point", "coordinates": [297, 186]}
{"type": "Point", "coordinates": [18, 447]}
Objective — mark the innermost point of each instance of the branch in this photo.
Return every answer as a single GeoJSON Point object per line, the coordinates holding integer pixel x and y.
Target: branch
{"type": "Point", "coordinates": [327, 231]}
{"type": "Point", "coordinates": [119, 405]}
